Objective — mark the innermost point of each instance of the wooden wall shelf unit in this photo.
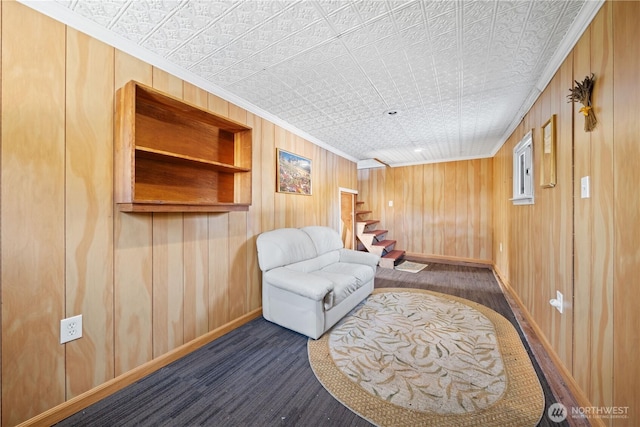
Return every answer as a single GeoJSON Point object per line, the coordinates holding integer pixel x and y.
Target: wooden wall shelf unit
{"type": "Point", "coordinates": [172, 156]}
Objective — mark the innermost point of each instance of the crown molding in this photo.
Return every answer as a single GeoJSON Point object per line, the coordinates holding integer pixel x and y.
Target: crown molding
{"type": "Point", "coordinates": [446, 160]}
{"type": "Point", "coordinates": [577, 29]}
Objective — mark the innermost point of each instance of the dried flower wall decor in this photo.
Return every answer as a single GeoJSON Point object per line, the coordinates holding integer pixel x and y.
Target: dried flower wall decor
{"type": "Point", "coordinates": [582, 93]}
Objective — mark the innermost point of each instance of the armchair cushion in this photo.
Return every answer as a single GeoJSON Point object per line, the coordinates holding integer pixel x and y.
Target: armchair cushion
{"type": "Point", "coordinates": [283, 247]}
{"type": "Point", "coordinates": [323, 240]}
{"type": "Point", "coordinates": [360, 273]}
{"type": "Point", "coordinates": [316, 263]}
{"type": "Point", "coordinates": [307, 285]}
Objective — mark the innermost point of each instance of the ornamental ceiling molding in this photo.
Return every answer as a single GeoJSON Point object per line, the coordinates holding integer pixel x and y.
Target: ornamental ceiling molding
{"type": "Point", "coordinates": [352, 128]}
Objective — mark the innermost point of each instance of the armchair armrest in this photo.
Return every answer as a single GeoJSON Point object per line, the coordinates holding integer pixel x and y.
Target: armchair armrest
{"type": "Point", "coordinates": [358, 257]}
{"type": "Point", "coordinates": [303, 284]}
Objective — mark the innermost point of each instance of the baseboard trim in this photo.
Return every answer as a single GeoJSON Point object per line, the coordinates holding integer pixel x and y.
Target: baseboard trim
{"type": "Point", "coordinates": [444, 259]}
{"type": "Point", "coordinates": [563, 385]}
{"type": "Point", "coordinates": [80, 402]}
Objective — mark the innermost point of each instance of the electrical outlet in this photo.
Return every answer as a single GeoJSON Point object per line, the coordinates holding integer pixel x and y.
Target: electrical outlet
{"type": "Point", "coordinates": [70, 329]}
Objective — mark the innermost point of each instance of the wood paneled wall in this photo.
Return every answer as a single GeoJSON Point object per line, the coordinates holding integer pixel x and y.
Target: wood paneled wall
{"type": "Point", "coordinates": [441, 209]}
{"type": "Point", "coordinates": [145, 283]}
{"type": "Point", "coordinates": [537, 240]}
{"type": "Point", "coordinates": [589, 248]}
{"type": "Point", "coordinates": [623, 218]}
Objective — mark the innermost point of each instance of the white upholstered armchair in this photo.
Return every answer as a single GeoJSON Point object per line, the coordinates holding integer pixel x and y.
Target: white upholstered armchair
{"type": "Point", "coordinates": [309, 281]}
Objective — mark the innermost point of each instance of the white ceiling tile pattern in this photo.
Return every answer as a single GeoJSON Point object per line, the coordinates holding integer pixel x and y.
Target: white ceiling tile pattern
{"type": "Point", "coordinates": [458, 72]}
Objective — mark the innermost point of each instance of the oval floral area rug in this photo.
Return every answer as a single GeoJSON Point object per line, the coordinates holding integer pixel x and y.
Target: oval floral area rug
{"type": "Point", "coordinates": [410, 357]}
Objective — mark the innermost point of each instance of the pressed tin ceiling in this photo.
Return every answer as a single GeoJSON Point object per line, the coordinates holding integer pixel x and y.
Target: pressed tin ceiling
{"type": "Point", "coordinates": [405, 82]}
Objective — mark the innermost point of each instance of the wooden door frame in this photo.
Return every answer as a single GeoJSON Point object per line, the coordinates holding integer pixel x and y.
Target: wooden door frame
{"type": "Point", "coordinates": [354, 193]}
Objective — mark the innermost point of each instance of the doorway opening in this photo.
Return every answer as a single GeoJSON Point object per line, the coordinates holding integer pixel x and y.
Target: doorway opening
{"type": "Point", "coordinates": [347, 217]}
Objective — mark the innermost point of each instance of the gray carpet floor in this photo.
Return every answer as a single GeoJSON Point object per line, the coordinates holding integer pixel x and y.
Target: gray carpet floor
{"type": "Point", "coordinates": [259, 374]}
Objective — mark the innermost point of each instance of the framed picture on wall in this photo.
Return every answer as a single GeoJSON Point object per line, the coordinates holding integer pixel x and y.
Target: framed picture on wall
{"type": "Point", "coordinates": [548, 163]}
{"type": "Point", "coordinates": [294, 173]}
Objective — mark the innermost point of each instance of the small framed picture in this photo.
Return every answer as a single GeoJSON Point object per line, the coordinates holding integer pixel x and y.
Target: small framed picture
{"type": "Point", "coordinates": [548, 164]}
{"type": "Point", "coordinates": [294, 173]}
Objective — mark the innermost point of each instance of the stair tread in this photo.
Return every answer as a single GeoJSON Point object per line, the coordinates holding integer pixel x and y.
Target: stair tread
{"type": "Point", "coordinates": [370, 221]}
{"type": "Point", "coordinates": [362, 212]}
{"type": "Point", "coordinates": [384, 243]}
{"type": "Point", "coordinates": [394, 254]}
{"type": "Point", "coordinates": [376, 232]}
{"type": "Point", "coordinates": [359, 202]}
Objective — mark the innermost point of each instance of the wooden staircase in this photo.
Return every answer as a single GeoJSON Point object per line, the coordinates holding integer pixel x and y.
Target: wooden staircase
{"type": "Point", "coordinates": [374, 240]}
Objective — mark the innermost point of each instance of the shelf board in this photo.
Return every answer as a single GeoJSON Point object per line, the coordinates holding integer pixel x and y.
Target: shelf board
{"type": "Point", "coordinates": [148, 96]}
{"type": "Point", "coordinates": [153, 154]}
{"type": "Point", "coordinates": [170, 207]}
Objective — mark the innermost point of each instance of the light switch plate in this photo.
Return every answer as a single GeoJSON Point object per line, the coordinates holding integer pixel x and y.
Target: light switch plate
{"type": "Point", "coordinates": [560, 299]}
